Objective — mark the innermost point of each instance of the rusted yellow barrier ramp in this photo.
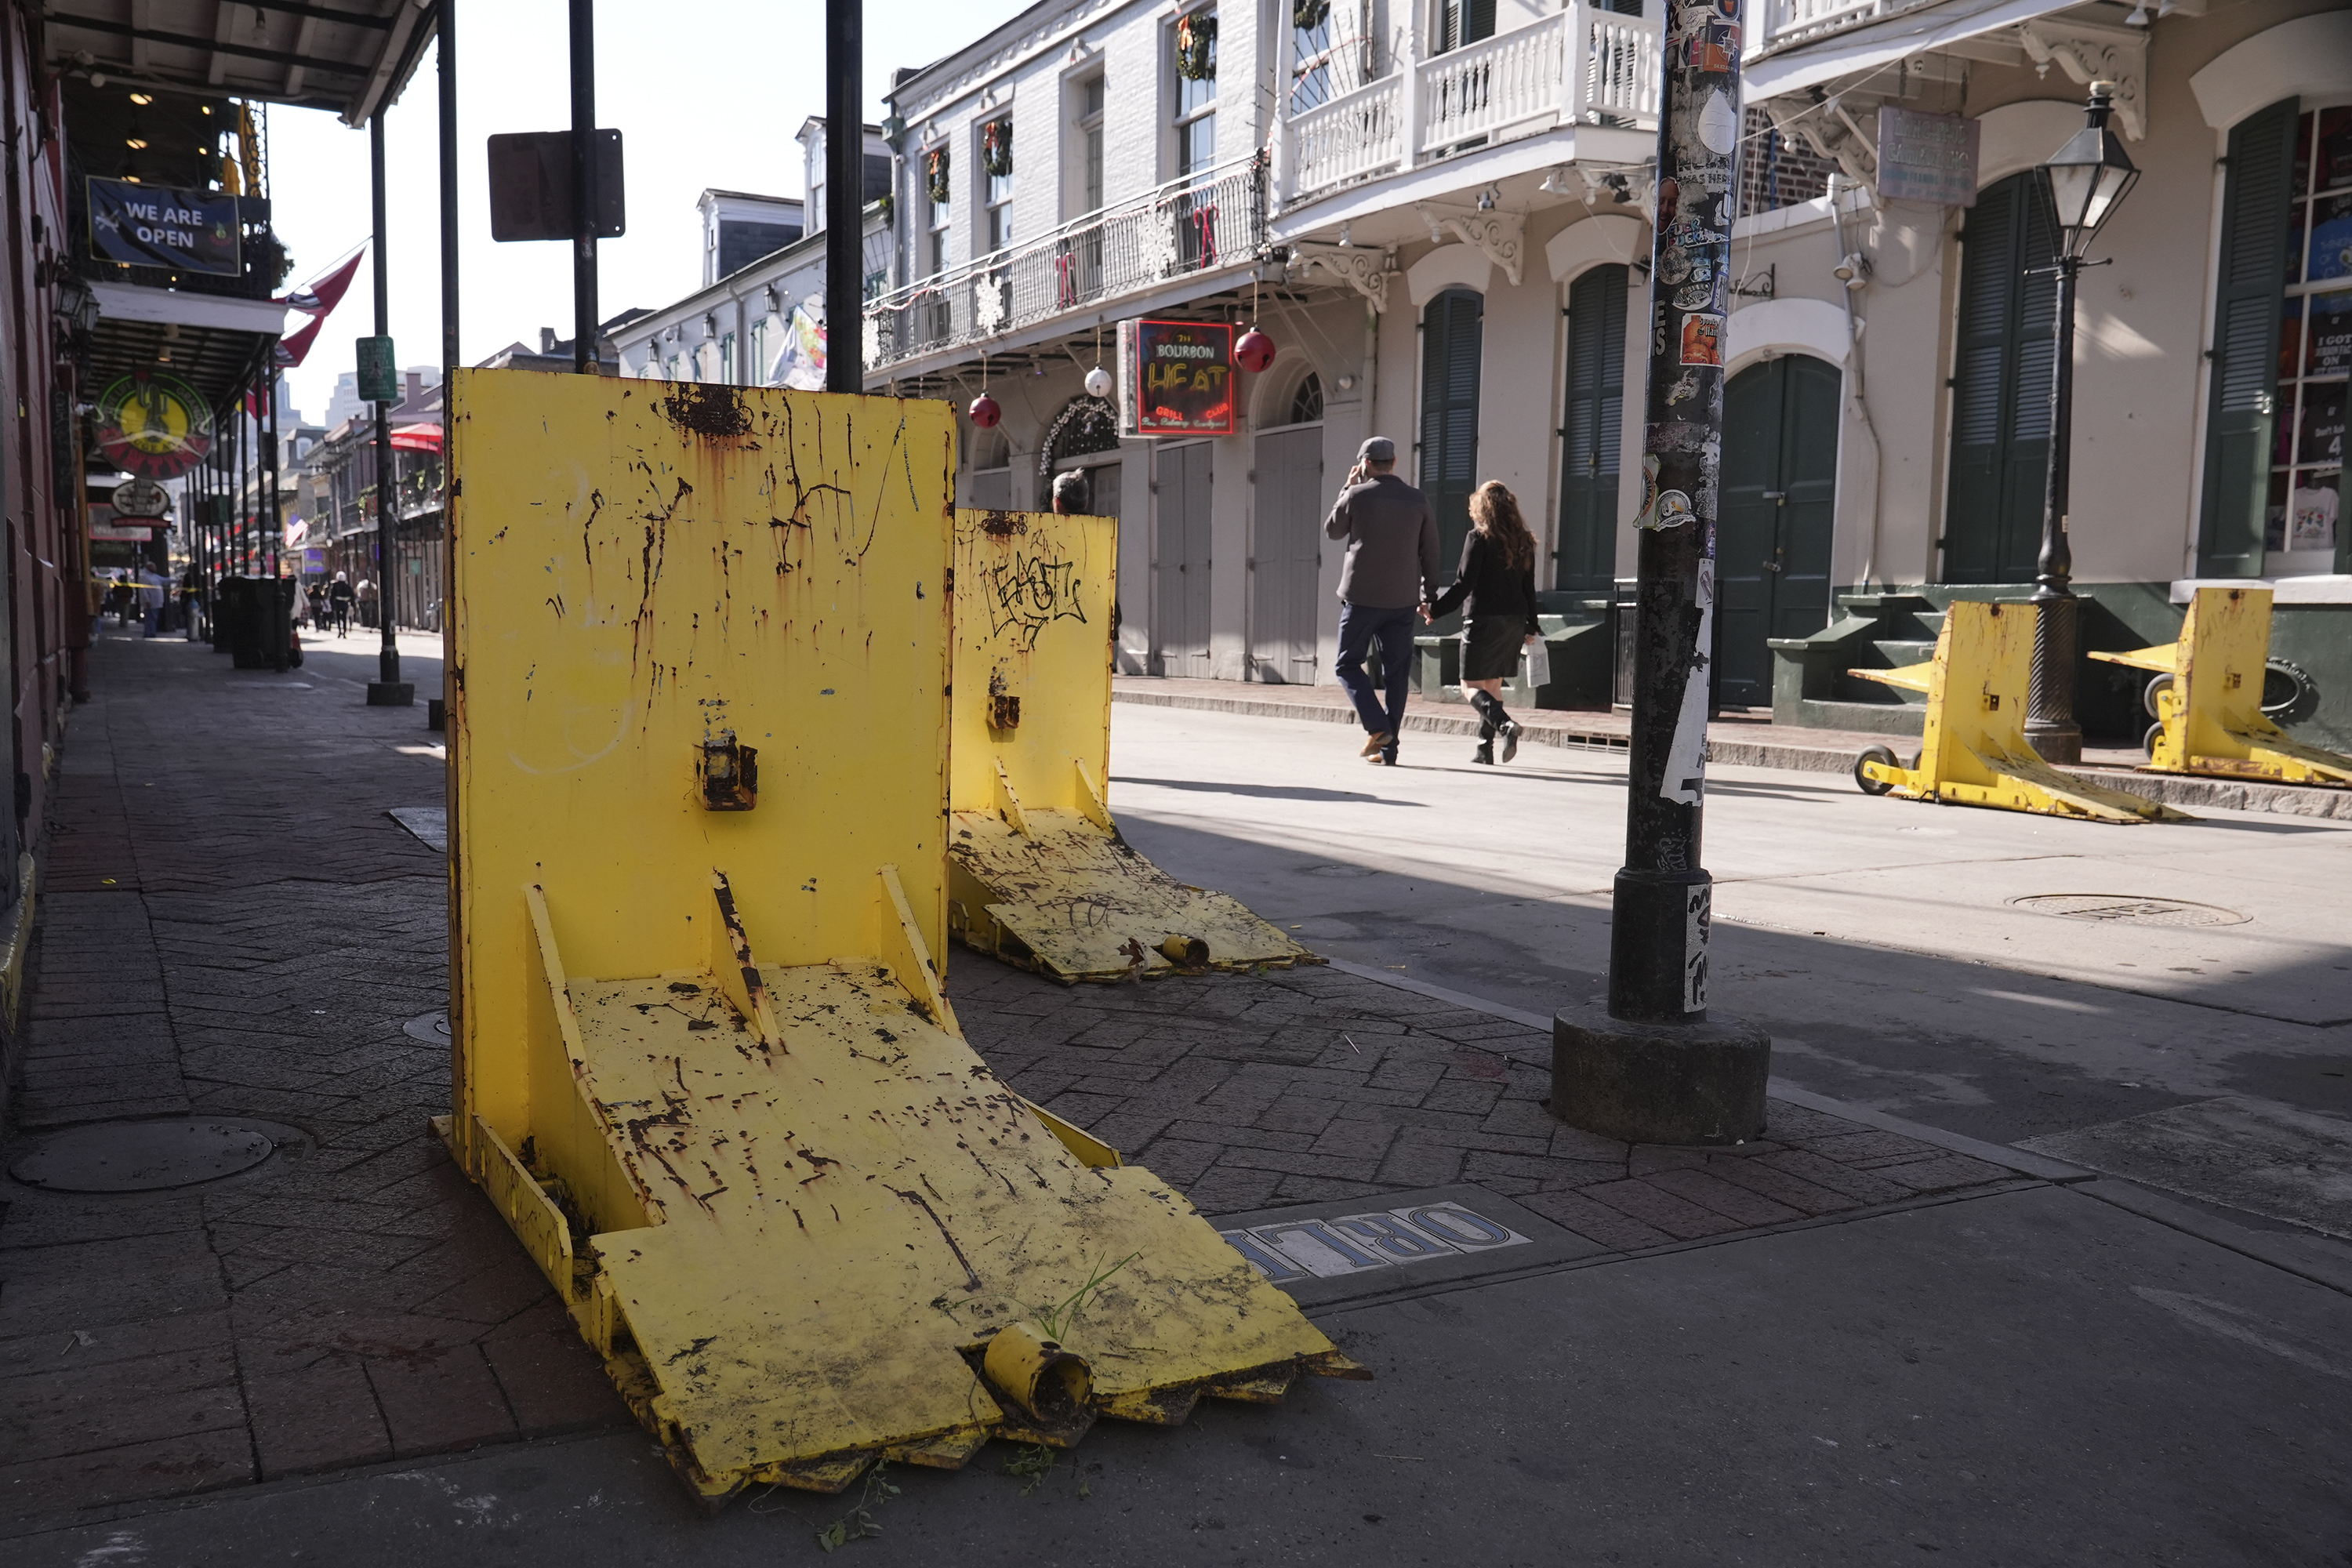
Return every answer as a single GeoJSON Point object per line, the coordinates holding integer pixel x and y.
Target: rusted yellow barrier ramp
{"type": "Point", "coordinates": [2208, 704]}
{"type": "Point", "coordinates": [1974, 751]}
{"type": "Point", "coordinates": [703, 1063]}
{"type": "Point", "coordinates": [1042, 876]}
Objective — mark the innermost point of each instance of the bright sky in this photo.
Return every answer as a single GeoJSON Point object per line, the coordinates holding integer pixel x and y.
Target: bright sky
{"type": "Point", "coordinates": [705, 93]}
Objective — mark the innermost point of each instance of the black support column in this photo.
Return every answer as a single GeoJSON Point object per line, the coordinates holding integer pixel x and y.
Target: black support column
{"type": "Point", "coordinates": [1653, 1066]}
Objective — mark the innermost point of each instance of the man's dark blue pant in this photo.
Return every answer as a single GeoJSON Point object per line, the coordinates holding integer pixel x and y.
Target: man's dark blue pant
{"type": "Point", "coordinates": [1361, 626]}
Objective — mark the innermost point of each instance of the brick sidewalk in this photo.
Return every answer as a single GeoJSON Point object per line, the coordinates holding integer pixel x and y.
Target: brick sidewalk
{"type": "Point", "coordinates": [230, 926]}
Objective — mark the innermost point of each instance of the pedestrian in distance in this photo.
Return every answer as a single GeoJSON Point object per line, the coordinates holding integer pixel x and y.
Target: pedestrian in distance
{"type": "Point", "coordinates": [1390, 571]}
{"type": "Point", "coordinates": [339, 602]}
{"type": "Point", "coordinates": [1495, 590]}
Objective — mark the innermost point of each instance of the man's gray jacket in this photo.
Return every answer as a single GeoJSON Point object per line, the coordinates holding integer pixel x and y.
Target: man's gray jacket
{"type": "Point", "coordinates": [1392, 538]}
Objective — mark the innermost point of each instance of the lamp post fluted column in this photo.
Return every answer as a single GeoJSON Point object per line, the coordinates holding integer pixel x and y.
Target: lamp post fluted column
{"type": "Point", "coordinates": [2049, 725]}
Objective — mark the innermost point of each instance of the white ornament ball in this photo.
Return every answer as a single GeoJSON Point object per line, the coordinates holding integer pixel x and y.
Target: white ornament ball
{"type": "Point", "coordinates": [1097, 382]}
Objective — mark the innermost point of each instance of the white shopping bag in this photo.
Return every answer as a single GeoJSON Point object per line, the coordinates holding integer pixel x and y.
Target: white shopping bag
{"type": "Point", "coordinates": [1538, 653]}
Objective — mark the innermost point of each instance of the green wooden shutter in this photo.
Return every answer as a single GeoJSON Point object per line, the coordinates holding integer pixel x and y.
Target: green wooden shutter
{"type": "Point", "coordinates": [1450, 354]}
{"type": "Point", "coordinates": [2241, 413]}
{"type": "Point", "coordinates": [1591, 429]}
{"type": "Point", "coordinates": [2001, 388]}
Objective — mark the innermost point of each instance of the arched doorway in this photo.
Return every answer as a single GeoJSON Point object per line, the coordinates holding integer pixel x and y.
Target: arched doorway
{"type": "Point", "coordinates": [1777, 502]}
{"type": "Point", "coordinates": [1287, 507]}
{"type": "Point", "coordinates": [1084, 436]}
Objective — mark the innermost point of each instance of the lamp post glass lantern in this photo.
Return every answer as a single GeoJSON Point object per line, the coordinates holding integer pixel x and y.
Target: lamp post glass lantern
{"type": "Point", "coordinates": [2084, 183]}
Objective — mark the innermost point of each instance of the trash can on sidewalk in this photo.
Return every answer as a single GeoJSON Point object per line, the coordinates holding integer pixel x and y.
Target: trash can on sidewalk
{"type": "Point", "coordinates": [256, 616]}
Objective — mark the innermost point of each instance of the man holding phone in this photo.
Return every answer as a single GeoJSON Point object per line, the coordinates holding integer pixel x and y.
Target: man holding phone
{"type": "Point", "coordinates": [1390, 573]}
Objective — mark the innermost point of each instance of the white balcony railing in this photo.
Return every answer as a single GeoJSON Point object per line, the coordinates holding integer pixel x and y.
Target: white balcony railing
{"type": "Point", "coordinates": [1580, 66]}
{"type": "Point", "coordinates": [1787, 21]}
{"type": "Point", "coordinates": [1201, 223]}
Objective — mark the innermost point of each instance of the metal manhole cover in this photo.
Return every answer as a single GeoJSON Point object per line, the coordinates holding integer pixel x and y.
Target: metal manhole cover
{"type": "Point", "coordinates": [2128, 908]}
{"type": "Point", "coordinates": [433, 1028]}
{"type": "Point", "coordinates": [142, 1157]}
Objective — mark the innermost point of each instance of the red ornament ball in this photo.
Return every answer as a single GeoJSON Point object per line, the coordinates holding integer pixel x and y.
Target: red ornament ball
{"type": "Point", "coordinates": [1255, 351]}
{"type": "Point", "coordinates": [984, 412]}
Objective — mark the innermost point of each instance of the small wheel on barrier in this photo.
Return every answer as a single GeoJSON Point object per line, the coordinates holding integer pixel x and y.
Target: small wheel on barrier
{"type": "Point", "coordinates": [2147, 742]}
{"type": "Point", "coordinates": [2289, 694]}
{"type": "Point", "coordinates": [1884, 758]}
{"type": "Point", "coordinates": [2157, 684]}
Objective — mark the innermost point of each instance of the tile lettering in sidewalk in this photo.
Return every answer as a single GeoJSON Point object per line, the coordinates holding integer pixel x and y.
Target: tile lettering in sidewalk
{"type": "Point", "coordinates": [1328, 1252]}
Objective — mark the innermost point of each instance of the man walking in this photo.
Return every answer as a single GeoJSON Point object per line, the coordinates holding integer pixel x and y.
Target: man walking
{"type": "Point", "coordinates": [1390, 571]}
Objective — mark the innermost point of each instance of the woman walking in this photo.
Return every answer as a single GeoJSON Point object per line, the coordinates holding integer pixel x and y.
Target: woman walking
{"type": "Point", "coordinates": [1496, 588]}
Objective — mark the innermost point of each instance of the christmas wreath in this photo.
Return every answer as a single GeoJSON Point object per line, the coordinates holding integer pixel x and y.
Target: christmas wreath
{"type": "Point", "coordinates": [935, 175]}
{"type": "Point", "coordinates": [1196, 44]}
{"type": "Point", "coordinates": [1308, 14]}
{"type": "Point", "coordinates": [996, 146]}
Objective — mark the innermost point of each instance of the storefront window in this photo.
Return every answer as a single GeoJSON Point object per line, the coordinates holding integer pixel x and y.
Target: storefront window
{"type": "Point", "coordinates": [2303, 519]}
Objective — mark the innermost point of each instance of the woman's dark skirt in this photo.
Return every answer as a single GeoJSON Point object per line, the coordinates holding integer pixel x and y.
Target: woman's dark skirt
{"type": "Point", "coordinates": [1490, 647]}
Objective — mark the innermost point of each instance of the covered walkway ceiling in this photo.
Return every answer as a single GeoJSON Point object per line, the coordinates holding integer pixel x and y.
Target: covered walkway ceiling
{"type": "Point", "coordinates": [346, 56]}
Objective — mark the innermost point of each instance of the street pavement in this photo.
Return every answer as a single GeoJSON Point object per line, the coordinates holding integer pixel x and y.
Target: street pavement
{"type": "Point", "coordinates": [1881, 941]}
{"type": "Point", "coordinates": [1860, 1338]}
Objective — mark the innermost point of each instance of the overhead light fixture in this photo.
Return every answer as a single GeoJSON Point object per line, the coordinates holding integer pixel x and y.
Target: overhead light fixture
{"type": "Point", "coordinates": [1555, 183]}
{"type": "Point", "coordinates": [142, 98]}
{"type": "Point", "coordinates": [136, 143]}
{"type": "Point", "coordinates": [1486, 200]}
{"type": "Point", "coordinates": [1852, 269]}
{"type": "Point", "coordinates": [2139, 16]}
{"type": "Point", "coordinates": [1343, 236]}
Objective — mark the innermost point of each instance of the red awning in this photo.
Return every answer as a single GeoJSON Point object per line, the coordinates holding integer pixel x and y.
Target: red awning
{"type": "Point", "coordinates": [416, 438]}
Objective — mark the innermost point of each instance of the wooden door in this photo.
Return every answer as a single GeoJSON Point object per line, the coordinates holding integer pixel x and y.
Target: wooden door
{"type": "Point", "coordinates": [1777, 500]}
{"type": "Point", "coordinates": [1286, 553]}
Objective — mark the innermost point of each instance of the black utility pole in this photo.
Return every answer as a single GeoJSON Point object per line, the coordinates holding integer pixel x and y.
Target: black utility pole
{"type": "Point", "coordinates": [387, 690]}
{"type": "Point", "coordinates": [583, 188]}
{"type": "Point", "coordinates": [844, 195]}
{"type": "Point", "coordinates": [1653, 1067]}
{"type": "Point", "coordinates": [446, 45]}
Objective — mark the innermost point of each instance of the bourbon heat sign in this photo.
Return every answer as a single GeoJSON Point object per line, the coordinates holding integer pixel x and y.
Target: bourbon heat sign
{"type": "Point", "coordinates": [1178, 377]}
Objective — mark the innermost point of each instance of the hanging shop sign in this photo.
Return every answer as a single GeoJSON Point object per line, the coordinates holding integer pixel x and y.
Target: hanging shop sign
{"type": "Point", "coordinates": [153, 426]}
{"type": "Point", "coordinates": [149, 225]}
{"type": "Point", "coordinates": [1927, 157]}
{"type": "Point", "coordinates": [141, 498]}
{"type": "Point", "coordinates": [1179, 377]}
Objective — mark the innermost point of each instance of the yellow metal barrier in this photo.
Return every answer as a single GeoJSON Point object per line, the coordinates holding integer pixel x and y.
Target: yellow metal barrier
{"type": "Point", "coordinates": [2210, 715]}
{"type": "Point", "coordinates": [703, 1064]}
{"type": "Point", "coordinates": [1974, 752]}
{"type": "Point", "coordinates": [1041, 876]}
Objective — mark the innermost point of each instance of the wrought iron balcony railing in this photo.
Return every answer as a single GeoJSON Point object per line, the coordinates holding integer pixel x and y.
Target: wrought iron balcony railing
{"type": "Point", "coordinates": [1201, 223]}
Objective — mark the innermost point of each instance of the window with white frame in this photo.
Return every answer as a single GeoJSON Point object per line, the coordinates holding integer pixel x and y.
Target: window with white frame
{"type": "Point", "coordinates": [1193, 54]}
{"type": "Point", "coordinates": [996, 176]}
{"type": "Point", "coordinates": [1086, 103]}
{"type": "Point", "coordinates": [934, 170]}
{"type": "Point", "coordinates": [2303, 518]}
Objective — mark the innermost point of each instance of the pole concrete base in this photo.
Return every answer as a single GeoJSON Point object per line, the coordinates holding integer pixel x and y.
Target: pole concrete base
{"type": "Point", "coordinates": [392, 694]}
{"type": "Point", "coordinates": [1660, 1083]}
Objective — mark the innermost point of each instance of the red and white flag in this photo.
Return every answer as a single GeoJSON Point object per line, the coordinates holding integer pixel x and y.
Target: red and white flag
{"type": "Point", "coordinates": [324, 295]}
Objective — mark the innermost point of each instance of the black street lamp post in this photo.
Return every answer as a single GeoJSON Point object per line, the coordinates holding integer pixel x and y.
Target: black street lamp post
{"type": "Point", "coordinates": [2084, 181]}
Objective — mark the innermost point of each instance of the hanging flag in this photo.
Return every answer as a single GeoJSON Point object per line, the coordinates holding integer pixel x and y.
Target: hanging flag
{"type": "Point", "coordinates": [800, 362]}
{"type": "Point", "coordinates": [295, 347]}
{"type": "Point", "coordinates": [326, 293]}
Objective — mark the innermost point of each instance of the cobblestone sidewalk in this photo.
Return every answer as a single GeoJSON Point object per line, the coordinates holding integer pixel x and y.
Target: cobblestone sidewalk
{"type": "Point", "coordinates": [232, 927]}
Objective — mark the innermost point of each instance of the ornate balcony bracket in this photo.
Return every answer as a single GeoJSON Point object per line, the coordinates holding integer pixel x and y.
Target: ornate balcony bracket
{"type": "Point", "coordinates": [1832, 136]}
{"type": "Point", "coordinates": [1501, 236]}
{"type": "Point", "coordinates": [1364, 269]}
{"type": "Point", "coordinates": [2090, 51]}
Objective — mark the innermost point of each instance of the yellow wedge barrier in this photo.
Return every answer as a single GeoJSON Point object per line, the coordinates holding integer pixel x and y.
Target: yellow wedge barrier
{"type": "Point", "coordinates": [1974, 751]}
{"type": "Point", "coordinates": [2210, 716]}
{"type": "Point", "coordinates": [703, 1061]}
{"type": "Point", "coordinates": [1041, 876]}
